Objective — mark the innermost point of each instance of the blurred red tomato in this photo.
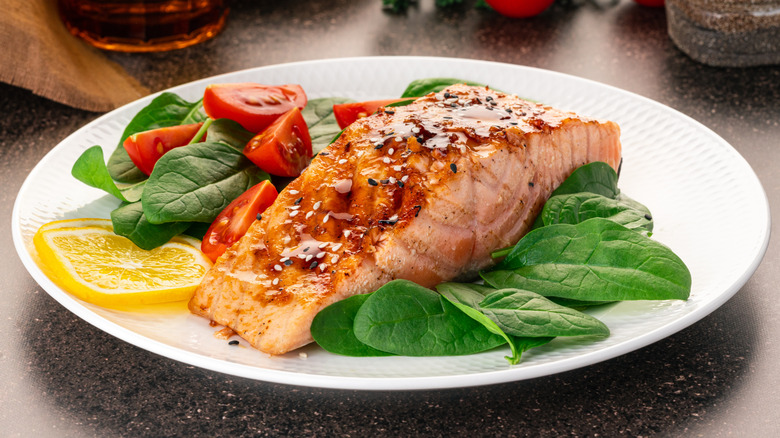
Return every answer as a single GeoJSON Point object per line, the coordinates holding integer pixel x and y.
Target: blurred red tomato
{"type": "Point", "coordinates": [651, 3]}
{"type": "Point", "coordinates": [520, 8]}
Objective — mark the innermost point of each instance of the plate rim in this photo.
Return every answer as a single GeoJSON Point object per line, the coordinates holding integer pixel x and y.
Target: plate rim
{"type": "Point", "coordinates": [383, 383]}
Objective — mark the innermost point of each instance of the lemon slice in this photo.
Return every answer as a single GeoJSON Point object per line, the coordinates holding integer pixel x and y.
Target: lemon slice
{"type": "Point", "coordinates": [103, 268]}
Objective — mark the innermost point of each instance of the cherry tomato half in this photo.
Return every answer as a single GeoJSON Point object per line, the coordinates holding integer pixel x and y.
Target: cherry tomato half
{"type": "Point", "coordinates": [233, 222]}
{"type": "Point", "coordinates": [145, 148]}
{"type": "Point", "coordinates": [284, 148]}
{"type": "Point", "coordinates": [254, 106]}
{"type": "Point", "coordinates": [519, 8]}
{"type": "Point", "coordinates": [346, 113]}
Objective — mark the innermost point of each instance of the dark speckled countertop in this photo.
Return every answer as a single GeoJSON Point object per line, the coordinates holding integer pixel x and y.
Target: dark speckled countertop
{"type": "Point", "coordinates": [62, 377]}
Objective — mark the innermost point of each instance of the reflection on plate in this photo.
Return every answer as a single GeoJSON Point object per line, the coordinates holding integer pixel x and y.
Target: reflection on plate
{"type": "Point", "coordinates": [681, 170]}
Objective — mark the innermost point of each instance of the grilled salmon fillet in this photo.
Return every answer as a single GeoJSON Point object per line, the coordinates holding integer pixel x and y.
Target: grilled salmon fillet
{"type": "Point", "coordinates": [422, 192]}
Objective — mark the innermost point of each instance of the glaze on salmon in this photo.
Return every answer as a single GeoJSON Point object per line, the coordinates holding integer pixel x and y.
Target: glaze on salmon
{"type": "Point", "coordinates": [422, 192]}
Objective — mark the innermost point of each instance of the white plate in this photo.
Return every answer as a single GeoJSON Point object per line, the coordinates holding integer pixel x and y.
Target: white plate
{"type": "Point", "coordinates": [708, 205]}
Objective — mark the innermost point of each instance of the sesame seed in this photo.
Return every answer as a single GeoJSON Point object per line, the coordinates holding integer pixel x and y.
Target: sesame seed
{"type": "Point", "coordinates": [294, 192]}
{"type": "Point", "coordinates": [392, 180]}
{"type": "Point", "coordinates": [397, 168]}
{"type": "Point", "coordinates": [325, 219]}
{"type": "Point", "coordinates": [259, 216]}
{"type": "Point", "coordinates": [321, 254]}
{"type": "Point", "coordinates": [283, 259]}
{"type": "Point", "coordinates": [648, 217]}
{"type": "Point", "coordinates": [293, 213]}
{"type": "Point", "coordinates": [372, 182]}
{"type": "Point", "coordinates": [233, 342]}
{"type": "Point", "coordinates": [323, 266]}
{"type": "Point", "coordinates": [530, 184]}
{"type": "Point", "coordinates": [404, 178]}
{"type": "Point", "coordinates": [314, 264]}
{"type": "Point", "coordinates": [303, 355]}
{"type": "Point", "coordinates": [347, 233]}
{"type": "Point", "coordinates": [342, 161]}
{"type": "Point", "coordinates": [322, 245]}
{"type": "Point", "coordinates": [337, 246]}
{"type": "Point", "coordinates": [294, 207]}
{"type": "Point", "coordinates": [390, 151]}
{"type": "Point", "coordinates": [309, 214]}
{"type": "Point", "coordinates": [301, 256]}
{"type": "Point", "coordinates": [298, 201]}
{"type": "Point", "coordinates": [334, 258]}
{"type": "Point", "coordinates": [379, 146]}
{"type": "Point", "coordinates": [317, 205]}
{"type": "Point", "coordinates": [309, 257]}
{"type": "Point", "coordinates": [509, 110]}
{"type": "Point", "coordinates": [386, 160]}
{"type": "Point", "coordinates": [277, 267]}
{"type": "Point", "coordinates": [454, 167]}
{"type": "Point", "coordinates": [391, 112]}
{"type": "Point", "coordinates": [420, 140]}
{"type": "Point", "coordinates": [416, 130]}
{"type": "Point", "coordinates": [288, 262]}
{"type": "Point", "coordinates": [375, 140]}
{"type": "Point", "coordinates": [399, 139]}
{"type": "Point", "coordinates": [393, 218]}
{"type": "Point", "coordinates": [385, 181]}
{"type": "Point", "coordinates": [286, 240]}
{"type": "Point", "coordinates": [276, 281]}
{"type": "Point", "coordinates": [400, 184]}
{"type": "Point", "coordinates": [306, 249]}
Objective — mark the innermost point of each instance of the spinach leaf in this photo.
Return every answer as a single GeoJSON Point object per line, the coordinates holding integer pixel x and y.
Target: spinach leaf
{"type": "Point", "coordinates": [197, 229]}
{"type": "Point", "coordinates": [421, 87]}
{"type": "Point", "coordinates": [404, 318]}
{"type": "Point", "coordinates": [228, 132]}
{"type": "Point", "coordinates": [523, 313]}
{"type": "Point", "coordinates": [595, 260]}
{"type": "Point", "coordinates": [597, 177]}
{"type": "Point", "coordinates": [333, 329]}
{"type": "Point", "coordinates": [195, 183]}
{"type": "Point", "coordinates": [322, 124]}
{"type": "Point", "coordinates": [579, 207]}
{"type": "Point", "coordinates": [129, 221]}
{"type": "Point", "coordinates": [90, 169]}
{"type": "Point", "coordinates": [167, 109]}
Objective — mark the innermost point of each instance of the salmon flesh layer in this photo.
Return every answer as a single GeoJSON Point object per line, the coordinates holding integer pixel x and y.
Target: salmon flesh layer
{"type": "Point", "coordinates": [422, 192]}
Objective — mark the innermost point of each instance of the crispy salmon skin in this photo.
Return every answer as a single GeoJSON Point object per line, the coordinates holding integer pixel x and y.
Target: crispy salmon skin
{"type": "Point", "coordinates": [422, 192]}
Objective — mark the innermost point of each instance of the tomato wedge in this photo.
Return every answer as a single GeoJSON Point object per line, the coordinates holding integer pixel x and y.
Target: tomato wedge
{"type": "Point", "coordinates": [254, 106]}
{"type": "Point", "coordinates": [233, 222]}
{"type": "Point", "coordinates": [284, 148]}
{"type": "Point", "coordinates": [145, 148]}
{"type": "Point", "coordinates": [347, 113]}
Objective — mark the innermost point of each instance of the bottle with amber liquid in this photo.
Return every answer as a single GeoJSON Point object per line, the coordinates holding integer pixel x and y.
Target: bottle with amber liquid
{"type": "Point", "coordinates": [143, 25]}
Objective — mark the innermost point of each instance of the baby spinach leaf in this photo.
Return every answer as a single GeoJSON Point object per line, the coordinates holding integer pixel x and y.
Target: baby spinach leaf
{"type": "Point", "coordinates": [421, 87]}
{"type": "Point", "coordinates": [523, 344]}
{"type": "Point", "coordinates": [523, 313]}
{"type": "Point", "coordinates": [195, 183]}
{"type": "Point", "coordinates": [491, 326]}
{"type": "Point", "coordinates": [90, 169]}
{"type": "Point", "coordinates": [228, 132]}
{"type": "Point", "coordinates": [322, 124]}
{"type": "Point", "coordinates": [579, 207]}
{"type": "Point", "coordinates": [167, 109]}
{"type": "Point", "coordinates": [404, 318]}
{"type": "Point", "coordinates": [467, 293]}
{"type": "Point", "coordinates": [595, 260]}
{"type": "Point", "coordinates": [129, 221]}
{"type": "Point", "coordinates": [597, 177]}
{"type": "Point", "coordinates": [197, 229]}
{"type": "Point", "coordinates": [333, 329]}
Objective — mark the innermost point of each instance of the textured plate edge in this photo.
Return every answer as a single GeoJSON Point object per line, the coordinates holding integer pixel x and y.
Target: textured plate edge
{"type": "Point", "coordinates": [390, 383]}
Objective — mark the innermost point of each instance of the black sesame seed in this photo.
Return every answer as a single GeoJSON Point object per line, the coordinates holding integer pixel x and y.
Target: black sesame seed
{"type": "Point", "coordinates": [400, 184]}
{"type": "Point", "coordinates": [509, 110]}
{"type": "Point", "coordinates": [233, 342]}
{"type": "Point", "coordinates": [454, 105]}
{"type": "Point", "coordinates": [513, 123]}
{"type": "Point", "coordinates": [298, 201]}
{"type": "Point", "coordinates": [288, 262]}
{"type": "Point", "coordinates": [489, 98]}
{"type": "Point", "coordinates": [324, 153]}
{"type": "Point", "coordinates": [418, 207]}
{"type": "Point", "coordinates": [447, 117]}
{"type": "Point", "coordinates": [420, 140]}
{"type": "Point", "coordinates": [306, 249]}
{"type": "Point", "coordinates": [314, 264]}
{"type": "Point", "coordinates": [385, 181]}
{"type": "Point", "coordinates": [530, 184]}
{"type": "Point", "coordinates": [372, 182]}
{"type": "Point", "coordinates": [447, 95]}
{"type": "Point", "coordinates": [494, 103]}
{"type": "Point", "coordinates": [648, 217]}
{"type": "Point", "coordinates": [259, 216]}
{"type": "Point", "coordinates": [454, 168]}
{"type": "Point", "coordinates": [389, 112]}
{"type": "Point", "coordinates": [379, 146]}
{"type": "Point", "coordinates": [386, 222]}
